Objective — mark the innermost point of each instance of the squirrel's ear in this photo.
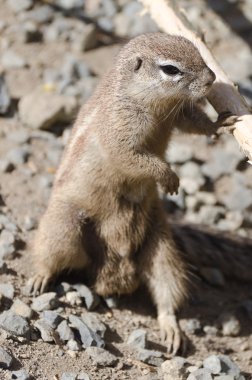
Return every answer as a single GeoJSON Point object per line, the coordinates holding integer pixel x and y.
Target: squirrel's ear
{"type": "Point", "coordinates": [138, 64]}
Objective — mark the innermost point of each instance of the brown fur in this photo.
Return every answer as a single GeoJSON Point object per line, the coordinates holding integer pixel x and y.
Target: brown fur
{"type": "Point", "coordinates": [105, 214]}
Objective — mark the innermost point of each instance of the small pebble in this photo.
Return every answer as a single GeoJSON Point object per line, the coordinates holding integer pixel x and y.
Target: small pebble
{"type": "Point", "coordinates": [138, 338]}
{"type": "Point", "coordinates": [7, 290]}
{"type": "Point", "coordinates": [20, 308]}
{"type": "Point", "coordinates": [6, 358]}
{"type": "Point", "coordinates": [14, 324]}
{"type": "Point", "coordinates": [101, 357]}
{"type": "Point", "coordinates": [65, 332]}
{"type": "Point", "coordinates": [213, 364]}
{"type": "Point", "coordinates": [46, 301]}
{"type": "Point", "coordinates": [230, 325]}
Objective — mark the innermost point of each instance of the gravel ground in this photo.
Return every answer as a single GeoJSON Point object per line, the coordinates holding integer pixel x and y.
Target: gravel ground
{"type": "Point", "coordinates": [52, 54]}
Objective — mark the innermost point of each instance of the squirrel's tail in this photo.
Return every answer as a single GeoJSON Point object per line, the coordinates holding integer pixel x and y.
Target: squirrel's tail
{"type": "Point", "coordinates": [231, 255]}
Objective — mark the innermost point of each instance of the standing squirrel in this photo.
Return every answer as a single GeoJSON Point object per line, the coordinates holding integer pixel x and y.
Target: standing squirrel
{"type": "Point", "coordinates": [105, 215]}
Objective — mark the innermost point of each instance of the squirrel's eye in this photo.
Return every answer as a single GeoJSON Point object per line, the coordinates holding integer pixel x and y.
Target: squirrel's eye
{"type": "Point", "coordinates": [170, 70]}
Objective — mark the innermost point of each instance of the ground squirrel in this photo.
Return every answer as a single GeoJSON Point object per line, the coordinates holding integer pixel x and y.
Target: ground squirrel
{"type": "Point", "coordinates": [104, 214]}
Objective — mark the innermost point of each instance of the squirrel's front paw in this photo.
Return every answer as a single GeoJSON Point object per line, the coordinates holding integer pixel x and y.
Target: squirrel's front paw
{"type": "Point", "coordinates": [170, 183]}
{"type": "Point", "coordinates": [226, 123]}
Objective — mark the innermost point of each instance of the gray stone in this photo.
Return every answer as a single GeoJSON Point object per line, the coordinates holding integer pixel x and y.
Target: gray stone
{"type": "Point", "coordinates": [65, 332]}
{"type": "Point", "coordinates": [72, 345]}
{"type": "Point", "coordinates": [19, 155]}
{"type": "Point", "coordinates": [179, 153]}
{"type": "Point", "coordinates": [138, 338]}
{"type": "Point", "coordinates": [88, 337]}
{"type": "Point", "coordinates": [213, 276]}
{"type": "Point", "coordinates": [92, 321]}
{"type": "Point", "coordinates": [20, 5]}
{"type": "Point", "coordinates": [7, 251]}
{"type": "Point", "coordinates": [213, 364]}
{"type": "Point", "coordinates": [20, 308]}
{"type": "Point", "coordinates": [32, 32]}
{"type": "Point", "coordinates": [222, 162]}
{"type": "Point", "coordinates": [14, 324]}
{"type": "Point", "coordinates": [193, 326]}
{"type": "Point", "coordinates": [233, 220]}
{"type": "Point", "coordinates": [111, 302]}
{"type": "Point", "coordinates": [7, 290]}
{"type": "Point", "coordinates": [83, 376]}
{"type": "Point", "coordinates": [200, 374]}
{"type": "Point", "coordinates": [48, 109]}
{"type": "Point", "coordinates": [41, 14]}
{"type": "Point", "coordinates": [191, 179]}
{"type": "Point", "coordinates": [20, 375]}
{"type": "Point", "coordinates": [151, 357]}
{"type": "Point", "coordinates": [86, 40]}
{"type": "Point", "coordinates": [224, 377]}
{"type": "Point", "coordinates": [70, 4]}
{"type": "Point", "coordinates": [5, 100]}
{"type": "Point", "coordinates": [30, 223]}
{"type": "Point", "coordinates": [20, 136]}
{"type": "Point", "coordinates": [52, 318]}
{"type": "Point", "coordinates": [210, 330]}
{"type": "Point", "coordinates": [11, 60]}
{"type": "Point", "coordinates": [91, 299]}
{"type": "Point", "coordinates": [230, 325]}
{"type": "Point", "coordinates": [101, 357]}
{"type": "Point", "coordinates": [46, 301]}
{"type": "Point", "coordinates": [229, 367]}
{"type": "Point", "coordinates": [6, 358]}
{"type": "Point", "coordinates": [68, 376]}
{"type": "Point", "coordinates": [233, 193]}
{"type": "Point", "coordinates": [6, 166]}
{"type": "Point", "coordinates": [174, 368]}
{"type": "Point", "coordinates": [73, 298]}
{"type": "Point", "coordinates": [46, 331]}
{"type": "Point", "coordinates": [3, 267]}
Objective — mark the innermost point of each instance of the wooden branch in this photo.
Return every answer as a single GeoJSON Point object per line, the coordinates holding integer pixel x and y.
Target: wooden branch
{"type": "Point", "coordinates": [224, 95]}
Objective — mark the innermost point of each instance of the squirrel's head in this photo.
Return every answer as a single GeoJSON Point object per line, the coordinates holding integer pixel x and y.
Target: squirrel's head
{"type": "Point", "coordinates": [159, 66]}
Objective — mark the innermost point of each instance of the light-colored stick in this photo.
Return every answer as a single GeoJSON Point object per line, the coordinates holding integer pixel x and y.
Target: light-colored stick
{"type": "Point", "coordinates": [223, 96]}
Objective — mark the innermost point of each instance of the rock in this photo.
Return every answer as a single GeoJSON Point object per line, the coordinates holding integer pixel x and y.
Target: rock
{"type": "Point", "coordinates": [210, 330]}
{"type": "Point", "coordinates": [151, 357]}
{"type": "Point", "coordinates": [200, 374]}
{"type": "Point", "coordinates": [29, 223]}
{"type": "Point", "coordinates": [111, 302]}
{"type": "Point", "coordinates": [224, 377]}
{"type": "Point", "coordinates": [230, 325]}
{"type": "Point", "coordinates": [41, 14]}
{"type": "Point", "coordinates": [83, 376]}
{"type": "Point", "coordinates": [6, 358]}
{"type": "Point", "coordinates": [11, 60]}
{"type": "Point", "coordinates": [138, 338]}
{"type": "Point", "coordinates": [32, 32]}
{"type": "Point", "coordinates": [232, 221]}
{"type": "Point", "coordinates": [5, 100]}
{"type": "Point", "coordinates": [52, 318]}
{"type": "Point", "coordinates": [88, 337]}
{"type": "Point", "coordinates": [87, 40]}
{"type": "Point", "coordinates": [20, 308]}
{"type": "Point", "coordinates": [233, 193]}
{"type": "Point", "coordinates": [229, 367]}
{"type": "Point", "coordinates": [70, 4]}
{"type": "Point", "coordinates": [191, 179]}
{"type": "Point", "coordinates": [68, 376]}
{"type": "Point", "coordinates": [72, 345]}
{"type": "Point", "coordinates": [6, 166]}
{"type": "Point", "coordinates": [192, 326]}
{"type": "Point", "coordinates": [46, 331]}
{"type": "Point", "coordinates": [14, 324]}
{"type": "Point", "coordinates": [20, 375]}
{"type": "Point", "coordinates": [91, 299]}
{"type": "Point", "coordinates": [46, 301]}
{"type": "Point", "coordinates": [65, 332]}
{"type": "Point", "coordinates": [7, 290]}
{"type": "Point", "coordinates": [222, 162]}
{"type": "Point", "coordinates": [91, 320]}
{"type": "Point", "coordinates": [73, 298]}
{"type": "Point", "coordinates": [20, 136]}
{"type": "Point", "coordinates": [174, 368]}
{"type": "Point", "coordinates": [63, 288]}
{"type": "Point", "coordinates": [19, 155]}
{"type": "Point", "coordinates": [213, 364]}
{"type": "Point", "coordinates": [48, 109]}
{"type": "Point", "coordinates": [3, 267]}
{"type": "Point", "coordinates": [20, 5]}
{"type": "Point", "coordinates": [101, 357]}
{"type": "Point", "coordinates": [179, 153]}
{"type": "Point", "coordinates": [7, 251]}
{"type": "Point", "coordinates": [213, 276]}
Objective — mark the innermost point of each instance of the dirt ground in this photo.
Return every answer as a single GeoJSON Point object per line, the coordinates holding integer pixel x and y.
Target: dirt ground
{"type": "Point", "coordinates": [25, 193]}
